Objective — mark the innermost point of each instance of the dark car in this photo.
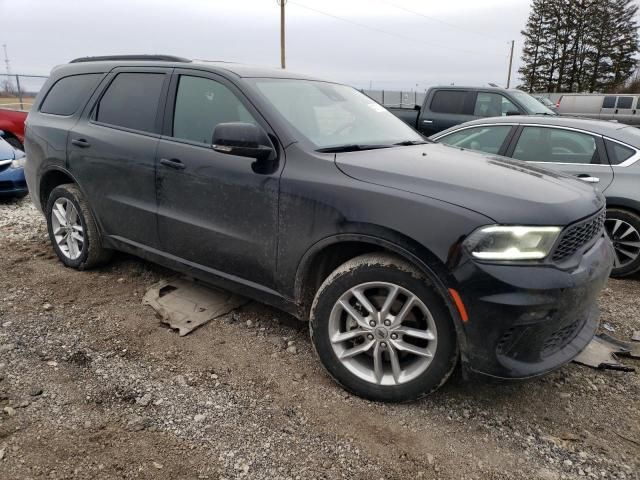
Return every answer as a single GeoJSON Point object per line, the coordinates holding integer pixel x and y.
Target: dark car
{"type": "Point", "coordinates": [604, 154]}
{"type": "Point", "coordinates": [12, 182]}
{"type": "Point", "coordinates": [444, 107]}
{"type": "Point", "coordinates": [304, 194]}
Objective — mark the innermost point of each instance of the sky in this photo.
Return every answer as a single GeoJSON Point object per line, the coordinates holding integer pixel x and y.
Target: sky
{"type": "Point", "coordinates": [394, 44]}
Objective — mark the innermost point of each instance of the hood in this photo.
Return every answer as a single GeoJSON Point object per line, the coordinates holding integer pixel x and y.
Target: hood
{"type": "Point", "coordinates": [507, 191]}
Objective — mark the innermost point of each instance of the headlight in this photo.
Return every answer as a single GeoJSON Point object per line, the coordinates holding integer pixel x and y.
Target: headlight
{"type": "Point", "coordinates": [18, 162]}
{"type": "Point", "coordinates": [501, 242]}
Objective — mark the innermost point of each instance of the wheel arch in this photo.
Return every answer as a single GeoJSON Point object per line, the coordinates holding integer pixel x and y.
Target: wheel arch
{"type": "Point", "coordinates": [331, 252]}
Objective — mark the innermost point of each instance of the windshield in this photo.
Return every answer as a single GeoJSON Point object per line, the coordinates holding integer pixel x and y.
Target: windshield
{"type": "Point", "coordinates": [533, 106]}
{"type": "Point", "coordinates": [331, 115]}
{"type": "Point", "coordinates": [6, 150]}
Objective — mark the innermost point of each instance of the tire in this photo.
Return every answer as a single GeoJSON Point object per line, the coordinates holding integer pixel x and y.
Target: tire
{"type": "Point", "coordinates": [623, 228]}
{"type": "Point", "coordinates": [89, 253]}
{"type": "Point", "coordinates": [376, 276]}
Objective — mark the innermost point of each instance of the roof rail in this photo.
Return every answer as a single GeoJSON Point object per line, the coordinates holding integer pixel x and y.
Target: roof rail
{"type": "Point", "coordinates": [146, 58]}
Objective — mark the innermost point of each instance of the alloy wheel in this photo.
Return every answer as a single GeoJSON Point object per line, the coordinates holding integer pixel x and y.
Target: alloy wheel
{"type": "Point", "coordinates": [382, 333]}
{"type": "Point", "coordinates": [67, 228]}
{"type": "Point", "coordinates": [626, 241]}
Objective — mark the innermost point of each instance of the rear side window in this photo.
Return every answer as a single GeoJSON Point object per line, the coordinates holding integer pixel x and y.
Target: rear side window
{"type": "Point", "coordinates": [618, 153]}
{"type": "Point", "coordinates": [69, 93]}
{"type": "Point", "coordinates": [131, 101]}
{"type": "Point", "coordinates": [609, 102]}
{"type": "Point", "coordinates": [625, 102]}
{"type": "Point", "coordinates": [555, 145]}
{"type": "Point", "coordinates": [448, 101]}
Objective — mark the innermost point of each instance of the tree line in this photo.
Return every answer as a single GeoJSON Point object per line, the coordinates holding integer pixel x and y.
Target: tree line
{"type": "Point", "coordinates": [579, 45]}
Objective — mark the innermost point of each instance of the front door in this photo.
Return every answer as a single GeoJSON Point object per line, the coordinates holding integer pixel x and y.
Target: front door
{"type": "Point", "coordinates": [576, 153]}
{"type": "Point", "coordinates": [214, 211]}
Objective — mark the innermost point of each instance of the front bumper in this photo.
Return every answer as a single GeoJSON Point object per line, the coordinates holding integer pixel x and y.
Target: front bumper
{"type": "Point", "coordinates": [527, 320]}
{"type": "Point", "coordinates": [12, 182]}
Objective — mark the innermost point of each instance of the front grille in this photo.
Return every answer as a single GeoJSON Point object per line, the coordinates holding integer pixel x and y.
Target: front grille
{"type": "Point", "coordinates": [579, 235]}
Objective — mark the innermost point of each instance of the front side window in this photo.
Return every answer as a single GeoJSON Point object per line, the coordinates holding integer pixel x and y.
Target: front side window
{"type": "Point", "coordinates": [554, 145]}
{"type": "Point", "coordinates": [201, 104]}
{"type": "Point", "coordinates": [68, 93]}
{"type": "Point", "coordinates": [332, 115]}
{"type": "Point", "coordinates": [448, 101]}
{"type": "Point", "coordinates": [492, 105]}
{"type": "Point", "coordinates": [131, 101]}
{"type": "Point", "coordinates": [618, 153]}
{"type": "Point", "coordinates": [484, 139]}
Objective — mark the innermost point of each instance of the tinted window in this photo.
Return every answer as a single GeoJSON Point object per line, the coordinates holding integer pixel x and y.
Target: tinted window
{"type": "Point", "coordinates": [448, 101]}
{"type": "Point", "coordinates": [618, 153]}
{"type": "Point", "coordinates": [6, 150]}
{"type": "Point", "coordinates": [131, 101]}
{"type": "Point", "coordinates": [539, 144]}
{"type": "Point", "coordinates": [484, 139]}
{"type": "Point", "coordinates": [68, 93]}
{"type": "Point", "coordinates": [201, 104]}
{"type": "Point", "coordinates": [625, 102]}
{"type": "Point", "coordinates": [609, 102]}
{"type": "Point", "coordinates": [492, 105]}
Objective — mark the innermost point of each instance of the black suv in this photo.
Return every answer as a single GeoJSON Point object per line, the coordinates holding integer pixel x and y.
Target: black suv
{"type": "Point", "coordinates": [405, 255]}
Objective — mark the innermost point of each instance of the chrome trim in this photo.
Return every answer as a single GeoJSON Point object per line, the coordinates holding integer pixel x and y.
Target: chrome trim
{"type": "Point", "coordinates": [5, 162]}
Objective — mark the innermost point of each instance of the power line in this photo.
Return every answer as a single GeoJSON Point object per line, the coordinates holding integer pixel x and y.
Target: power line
{"type": "Point", "coordinates": [404, 9]}
{"type": "Point", "coordinates": [380, 30]}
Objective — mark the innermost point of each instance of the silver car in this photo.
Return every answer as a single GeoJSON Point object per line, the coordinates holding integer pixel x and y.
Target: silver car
{"type": "Point", "coordinates": [603, 153]}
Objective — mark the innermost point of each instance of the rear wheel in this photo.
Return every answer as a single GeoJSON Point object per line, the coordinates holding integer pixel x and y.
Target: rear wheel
{"type": "Point", "coordinates": [382, 331]}
{"type": "Point", "coordinates": [72, 229]}
{"type": "Point", "coordinates": [623, 228]}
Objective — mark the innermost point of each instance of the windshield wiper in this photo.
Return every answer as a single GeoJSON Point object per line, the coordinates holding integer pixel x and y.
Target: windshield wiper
{"type": "Point", "coordinates": [408, 143]}
{"type": "Point", "coordinates": [350, 148]}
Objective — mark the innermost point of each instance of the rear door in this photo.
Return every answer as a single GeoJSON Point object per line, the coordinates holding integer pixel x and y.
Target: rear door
{"type": "Point", "coordinates": [624, 109]}
{"type": "Point", "coordinates": [112, 153]}
{"type": "Point", "coordinates": [566, 150]}
{"type": "Point", "coordinates": [445, 109]}
{"type": "Point", "coordinates": [214, 210]}
{"type": "Point", "coordinates": [608, 107]}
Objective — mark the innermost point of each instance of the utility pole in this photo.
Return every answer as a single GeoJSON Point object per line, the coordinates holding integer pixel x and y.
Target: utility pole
{"type": "Point", "coordinates": [282, 3]}
{"type": "Point", "coordinates": [510, 64]}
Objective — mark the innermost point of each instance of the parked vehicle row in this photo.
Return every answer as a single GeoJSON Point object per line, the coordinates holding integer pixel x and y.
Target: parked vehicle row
{"type": "Point", "coordinates": [444, 107]}
{"type": "Point", "coordinates": [407, 256]}
{"type": "Point", "coordinates": [605, 154]}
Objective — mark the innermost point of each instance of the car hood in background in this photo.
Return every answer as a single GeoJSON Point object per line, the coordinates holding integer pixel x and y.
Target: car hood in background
{"type": "Point", "coordinates": [508, 191]}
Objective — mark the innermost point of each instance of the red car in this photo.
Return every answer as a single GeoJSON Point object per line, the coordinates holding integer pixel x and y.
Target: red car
{"type": "Point", "coordinates": [12, 124]}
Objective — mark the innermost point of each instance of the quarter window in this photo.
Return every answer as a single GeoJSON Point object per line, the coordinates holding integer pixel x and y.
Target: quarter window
{"type": "Point", "coordinates": [483, 139]}
{"type": "Point", "coordinates": [609, 102]}
{"type": "Point", "coordinates": [618, 153]}
{"type": "Point", "coordinates": [131, 101]}
{"type": "Point", "coordinates": [554, 145]}
{"type": "Point", "coordinates": [68, 93]}
{"type": "Point", "coordinates": [492, 105]}
{"type": "Point", "coordinates": [201, 104]}
{"type": "Point", "coordinates": [448, 101]}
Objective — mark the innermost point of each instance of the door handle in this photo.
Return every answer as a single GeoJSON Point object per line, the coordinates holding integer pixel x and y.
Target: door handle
{"type": "Point", "coordinates": [80, 142]}
{"type": "Point", "coordinates": [172, 163]}
{"type": "Point", "coordinates": [588, 178]}
{"type": "Point", "coordinates": [427, 121]}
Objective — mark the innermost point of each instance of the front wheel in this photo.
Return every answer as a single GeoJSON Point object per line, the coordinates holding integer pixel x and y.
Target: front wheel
{"type": "Point", "coordinates": [623, 228]}
{"type": "Point", "coordinates": [382, 331]}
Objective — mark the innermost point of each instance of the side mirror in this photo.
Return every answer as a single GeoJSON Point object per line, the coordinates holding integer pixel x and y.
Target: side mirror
{"type": "Point", "coordinates": [242, 139]}
{"type": "Point", "coordinates": [511, 113]}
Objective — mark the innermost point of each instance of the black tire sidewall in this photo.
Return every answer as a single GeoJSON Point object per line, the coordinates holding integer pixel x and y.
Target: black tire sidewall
{"type": "Point", "coordinates": [445, 357]}
{"type": "Point", "coordinates": [57, 193]}
{"type": "Point", "coordinates": [633, 220]}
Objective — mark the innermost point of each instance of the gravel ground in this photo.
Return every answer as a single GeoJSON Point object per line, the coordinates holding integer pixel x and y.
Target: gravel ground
{"type": "Point", "coordinates": [93, 386]}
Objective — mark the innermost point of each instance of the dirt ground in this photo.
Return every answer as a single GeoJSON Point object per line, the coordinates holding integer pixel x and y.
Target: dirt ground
{"type": "Point", "coordinates": [93, 386]}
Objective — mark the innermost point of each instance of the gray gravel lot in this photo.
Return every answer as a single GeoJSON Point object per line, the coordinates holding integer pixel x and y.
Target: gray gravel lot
{"type": "Point", "coordinates": [92, 385]}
